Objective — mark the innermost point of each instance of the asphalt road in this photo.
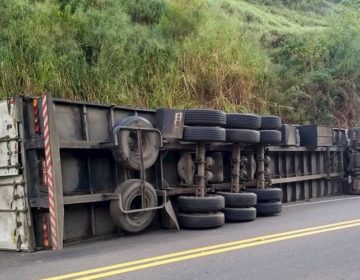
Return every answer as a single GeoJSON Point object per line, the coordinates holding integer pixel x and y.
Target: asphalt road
{"type": "Point", "coordinates": [325, 252]}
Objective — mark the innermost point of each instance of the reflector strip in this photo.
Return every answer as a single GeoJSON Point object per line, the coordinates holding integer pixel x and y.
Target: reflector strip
{"type": "Point", "coordinates": [49, 174]}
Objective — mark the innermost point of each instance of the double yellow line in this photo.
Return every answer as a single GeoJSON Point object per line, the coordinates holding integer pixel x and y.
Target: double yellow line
{"type": "Point", "coordinates": [108, 271]}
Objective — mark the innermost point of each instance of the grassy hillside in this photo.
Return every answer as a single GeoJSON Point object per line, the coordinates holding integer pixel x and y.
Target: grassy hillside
{"type": "Point", "coordinates": [296, 58]}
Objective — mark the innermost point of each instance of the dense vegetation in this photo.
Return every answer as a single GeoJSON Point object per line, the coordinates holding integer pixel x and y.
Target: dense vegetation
{"type": "Point", "coordinates": [296, 58]}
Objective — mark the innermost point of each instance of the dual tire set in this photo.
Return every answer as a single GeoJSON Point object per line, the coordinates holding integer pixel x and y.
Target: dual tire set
{"type": "Point", "coordinates": [270, 130]}
{"type": "Point", "coordinates": [204, 126]}
{"type": "Point", "coordinates": [252, 129]}
{"type": "Point", "coordinates": [246, 206]}
{"type": "Point", "coordinates": [269, 201]}
{"type": "Point", "coordinates": [201, 212]}
{"type": "Point", "coordinates": [239, 206]}
{"type": "Point", "coordinates": [213, 210]}
{"type": "Point", "coordinates": [217, 126]}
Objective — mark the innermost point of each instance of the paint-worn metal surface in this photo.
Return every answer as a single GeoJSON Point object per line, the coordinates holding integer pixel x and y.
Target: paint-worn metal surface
{"type": "Point", "coordinates": [9, 146]}
{"type": "Point", "coordinates": [14, 233]}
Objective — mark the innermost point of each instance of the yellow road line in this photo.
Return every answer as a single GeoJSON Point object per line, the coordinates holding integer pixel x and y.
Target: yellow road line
{"type": "Point", "coordinates": [213, 252]}
{"type": "Point", "coordinates": [203, 251]}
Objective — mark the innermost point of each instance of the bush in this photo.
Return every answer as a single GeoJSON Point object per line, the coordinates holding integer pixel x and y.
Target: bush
{"type": "Point", "coordinates": [145, 11]}
{"type": "Point", "coordinates": [178, 22]}
{"type": "Point", "coordinates": [222, 67]}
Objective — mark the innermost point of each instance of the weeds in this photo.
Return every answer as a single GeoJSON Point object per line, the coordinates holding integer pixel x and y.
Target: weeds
{"type": "Point", "coordinates": [298, 58]}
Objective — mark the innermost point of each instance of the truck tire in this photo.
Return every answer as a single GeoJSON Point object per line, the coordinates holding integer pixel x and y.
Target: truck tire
{"type": "Point", "coordinates": [268, 208]}
{"type": "Point", "coordinates": [131, 199]}
{"type": "Point", "coordinates": [356, 160]}
{"type": "Point", "coordinates": [247, 121]}
{"type": "Point", "coordinates": [193, 204]}
{"type": "Point", "coordinates": [270, 137]}
{"type": "Point", "coordinates": [352, 192]}
{"type": "Point", "coordinates": [205, 117]}
{"type": "Point", "coordinates": [240, 214]}
{"type": "Point", "coordinates": [242, 136]}
{"type": "Point", "coordinates": [201, 220]}
{"type": "Point", "coordinates": [267, 195]}
{"type": "Point", "coordinates": [127, 152]}
{"type": "Point", "coordinates": [243, 199]}
{"type": "Point", "coordinates": [204, 134]}
{"type": "Point", "coordinates": [270, 122]}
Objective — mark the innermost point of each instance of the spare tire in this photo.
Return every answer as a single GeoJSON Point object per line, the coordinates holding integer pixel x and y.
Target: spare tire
{"type": "Point", "coordinates": [243, 199]}
{"type": "Point", "coordinates": [201, 220]}
{"type": "Point", "coordinates": [270, 137]}
{"type": "Point", "coordinates": [204, 134]}
{"type": "Point", "coordinates": [242, 136]}
{"type": "Point", "coordinates": [205, 117]}
{"type": "Point", "coordinates": [127, 152]}
{"type": "Point", "coordinates": [240, 214]}
{"type": "Point", "coordinates": [193, 204]}
{"type": "Point", "coordinates": [270, 122]}
{"type": "Point", "coordinates": [248, 121]}
{"type": "Point", "coordinates": [266, 195]}
{"type": "Point", "coordinates": [130, 191]}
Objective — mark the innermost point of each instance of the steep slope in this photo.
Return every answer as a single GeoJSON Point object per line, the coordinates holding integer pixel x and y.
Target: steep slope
{"type": "Point", "coordinates": [296, 58]}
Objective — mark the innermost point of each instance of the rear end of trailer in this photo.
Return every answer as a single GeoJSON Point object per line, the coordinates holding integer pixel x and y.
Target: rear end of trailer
{"type": "Point", "coordinates": [58, 173]}
{"type": "Point", "coordinates": [71, 171]}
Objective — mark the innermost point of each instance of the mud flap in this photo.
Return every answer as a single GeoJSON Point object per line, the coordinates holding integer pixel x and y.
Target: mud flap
{"type": "Point", "coordinates": [171, 213]}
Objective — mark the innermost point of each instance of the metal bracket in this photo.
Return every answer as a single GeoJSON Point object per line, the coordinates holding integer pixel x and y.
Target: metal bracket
{"type": "Point", "coordinates": [139, 131]}
{"type": "Point", "coordinates": [14, 184]}
{"type": "Point", "coordinates": [13, 210]}
{"type": "Point", "coordinates": [164, 195]}
{"type": "Point", "coordinates": [17, 166]}
{"type": "Point", "coordinates": [118, 128]}
{"type": "Point", "coordinates": [9, 139]}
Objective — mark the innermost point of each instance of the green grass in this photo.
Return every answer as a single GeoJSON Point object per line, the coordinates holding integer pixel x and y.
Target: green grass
{"type": "Point", "coordinates": [298, 58]}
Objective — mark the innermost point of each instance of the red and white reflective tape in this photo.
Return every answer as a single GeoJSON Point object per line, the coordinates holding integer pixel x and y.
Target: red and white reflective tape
{"type": "Point", "coordinates": [49, 173]}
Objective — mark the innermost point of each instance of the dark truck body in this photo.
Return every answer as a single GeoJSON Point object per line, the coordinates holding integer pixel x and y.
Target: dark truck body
{"type": "Point", "coordinates": [86, 174]}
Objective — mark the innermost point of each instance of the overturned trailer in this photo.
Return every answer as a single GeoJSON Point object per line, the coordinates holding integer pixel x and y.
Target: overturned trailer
{"type": "Point", "coordinates": [73, 170]}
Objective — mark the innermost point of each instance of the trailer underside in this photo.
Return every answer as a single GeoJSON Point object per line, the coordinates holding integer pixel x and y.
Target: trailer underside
{"type": "Point", "coordinates": [86, 175]}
